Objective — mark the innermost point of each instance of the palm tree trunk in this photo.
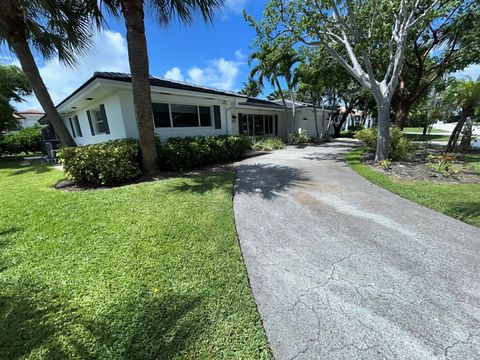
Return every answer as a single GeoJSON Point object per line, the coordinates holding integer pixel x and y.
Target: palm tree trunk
{"type": "Point", "coordinates": [142, 98]}
{"type": "Point", "coordinates": [22, 51]}
{"type": "Point", "coordinates": [315, 117]}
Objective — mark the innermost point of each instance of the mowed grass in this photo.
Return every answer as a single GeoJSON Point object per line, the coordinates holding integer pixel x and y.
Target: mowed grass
{"type": "Point", "coordinates": [429, 137]}
{"type": "Point", "coordinates": [461, 201]}
{"type": "Point", "coordinates": [145, 271]}
{"type": "Point", "coordinates": [420, 130]}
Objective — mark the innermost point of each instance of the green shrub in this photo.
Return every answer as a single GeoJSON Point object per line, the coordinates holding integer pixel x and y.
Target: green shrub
{"type": "Point", "coordinates": [300, 137]}
{"type": "Point", "coordinates": [106, 163]}
{"type": "Point", "coordinates": [179, 154]}
{"type": "Point", "coordinates": [25, 141]}
{"type": "Point", "coordinates": [267, 143]}
{"type": "Point", "coordinates": [400, 148]}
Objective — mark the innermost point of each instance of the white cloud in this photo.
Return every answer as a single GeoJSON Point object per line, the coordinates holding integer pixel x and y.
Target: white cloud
{"type": "Point", "coordinates": [217, 73]}
{"type": "Point", "coordinates": [174, 74]}
{"type": "Point", "coordinates": [108, 53]}
{"type": "Point", "coordinates": [233, 7]}
{"type": "Point", "coordinates": [472, 72]}
{"type": "Point", "coordinates": [239, 55]}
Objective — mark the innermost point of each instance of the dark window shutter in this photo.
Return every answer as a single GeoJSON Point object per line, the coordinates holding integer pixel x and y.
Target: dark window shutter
{"type": "Point", "coordinates": [90, 122]}
{"type": "Point", "coordinates": [105, 121]}
{"type": "Point", "coordinates": [217, 117]}
{"type": "Point", "coordinates": [79, 128]}
{"type": "Point", "coordinates": [72, 127]}
{"type": "Point", "coordinates": [276, 125]}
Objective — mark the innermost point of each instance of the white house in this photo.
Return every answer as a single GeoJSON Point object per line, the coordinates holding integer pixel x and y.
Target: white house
{"type": "Point", "coordinates": [305, 118]}
{"type": "Point", "coordinates": [27, 118]}
{"type": "Point", "coordinates": [102, 109]}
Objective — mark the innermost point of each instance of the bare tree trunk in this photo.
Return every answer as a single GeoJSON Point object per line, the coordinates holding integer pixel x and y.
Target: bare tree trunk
{"type": "Point", "coordinates": [24, 54]}
{"type": "Point", "coordinates": [142, 98]}
{"type": "Point", "coordinates": [383, 137]}
{"type": "Point", "coordinates": [465, 143]}
{"type": "Point", "coordinates": [452, 142]}
{"type": "Point", "coordinates": [401, 115]}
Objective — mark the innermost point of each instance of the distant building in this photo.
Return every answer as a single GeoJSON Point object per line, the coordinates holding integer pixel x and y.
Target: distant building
{"type": "Point", "coordinates": [27, 118]}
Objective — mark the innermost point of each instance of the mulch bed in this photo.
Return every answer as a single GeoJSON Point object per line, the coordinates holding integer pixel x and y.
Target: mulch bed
{"type": "Point", "coordinates": [417, 169]}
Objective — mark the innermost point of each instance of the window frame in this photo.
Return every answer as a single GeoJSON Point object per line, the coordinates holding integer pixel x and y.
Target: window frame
{"type": "Point", "coordinates": [198, 106]}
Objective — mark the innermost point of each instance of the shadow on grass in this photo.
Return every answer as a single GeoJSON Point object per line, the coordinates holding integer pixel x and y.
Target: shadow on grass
{"type": "Point", "coordinates": [468, 212]}
{"type": "Point", "coordinates": [202, 184]}
{"type": "Point", "coordinates": [148, 326]}
{"type": "Point", "coordinates": [267, 180]}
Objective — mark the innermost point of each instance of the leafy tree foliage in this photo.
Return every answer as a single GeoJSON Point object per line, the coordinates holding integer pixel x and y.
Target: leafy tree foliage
{"type": "Point", "coordinates": [252, 88]}
{"type": "Point", "coordinates": [13, 87]}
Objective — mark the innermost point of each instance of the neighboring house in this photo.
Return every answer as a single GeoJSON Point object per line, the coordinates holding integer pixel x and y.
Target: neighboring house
{"type": "Point", "coordinates": [305, 118]}
{"type": "Point", "coordinates": [26, 119]}
{"type": "Point", "coordinates": [102, 109]}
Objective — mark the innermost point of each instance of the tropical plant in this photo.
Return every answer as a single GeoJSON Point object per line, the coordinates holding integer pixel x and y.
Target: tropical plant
{"type": "Point", "coordinates": [133, 13]}
{"type": "Point", "coordinates": [53, 28]}
{"type": "Point", "coordinates": [252, 88]}
{"type": "Point", "coordinates": [463, 95]}
{"type": "Point", "coordinates": [25, 141]}
{"type": "Point", "coordinates": [13, 87]}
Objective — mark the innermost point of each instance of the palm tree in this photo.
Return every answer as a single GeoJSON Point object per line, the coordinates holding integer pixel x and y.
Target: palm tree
{"type": "Point", "coordinates": [463, 95]}
{"type": "Point", "coordinates": [133, 14]}
{"type": "Point", "coordinates": [53, 28]}
{"type": "Point", "coordinates": [251, 88]}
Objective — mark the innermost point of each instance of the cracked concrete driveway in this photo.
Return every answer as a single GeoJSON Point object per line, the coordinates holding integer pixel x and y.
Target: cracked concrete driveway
{"type": "Point", "coordinates": [342, 269]}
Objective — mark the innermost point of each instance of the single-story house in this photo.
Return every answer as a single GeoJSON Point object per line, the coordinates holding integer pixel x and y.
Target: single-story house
{"type": "Point", "coordinates": [102, 109]}
{"type": "Point", "coordinates": [26, 118]}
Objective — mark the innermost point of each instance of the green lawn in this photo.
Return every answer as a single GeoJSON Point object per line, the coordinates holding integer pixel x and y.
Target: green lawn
{"type": "Point", "coordinates": [435, 137]}
{"type": "Point", "coordinates": [145, 271]}
{"type": "Point", "coordinates": [420, 130]}
{"type": "Point", "coordinates": [461, 201]}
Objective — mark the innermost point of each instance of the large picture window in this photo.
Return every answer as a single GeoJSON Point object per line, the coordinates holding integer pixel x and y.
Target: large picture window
{"type": "Point", "coordinates": [179, 115]}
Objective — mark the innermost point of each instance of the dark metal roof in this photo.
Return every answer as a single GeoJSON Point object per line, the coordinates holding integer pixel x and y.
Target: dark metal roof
{"type": "Point", "coordinates": [260, 102]}
{"type": "Point", "coordinates": [124, 77]}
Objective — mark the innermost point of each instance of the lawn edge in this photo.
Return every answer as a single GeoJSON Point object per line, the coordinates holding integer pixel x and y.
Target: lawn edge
{"type": "Point", "coordinates": [354, 156]}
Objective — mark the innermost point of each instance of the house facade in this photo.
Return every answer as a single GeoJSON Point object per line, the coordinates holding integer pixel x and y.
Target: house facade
{"type": "Point", "coordinates": [25, 119]}
{"type": "Point", "coordinates": [102, 110]}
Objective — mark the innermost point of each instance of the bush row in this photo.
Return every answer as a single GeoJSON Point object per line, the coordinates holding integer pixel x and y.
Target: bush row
{"type": "Point", "coordinates": [25, 141]}
{"type": "Point", "coordinates": [400, 147]}
{"type": "Point", "coordinates": [118, 161]}
{"type": "Point", "coordinates": [179, 154]}
{"type": "Point", "coordinates": [101, 164]}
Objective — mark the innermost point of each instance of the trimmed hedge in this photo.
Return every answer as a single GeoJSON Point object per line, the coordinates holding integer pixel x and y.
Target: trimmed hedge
{"type": "Point", "coordinates": [102, 164]}
{"type": "Point", "coordinates": [179, 154]}
{"type": "Point", "coordinates": [25, 141]}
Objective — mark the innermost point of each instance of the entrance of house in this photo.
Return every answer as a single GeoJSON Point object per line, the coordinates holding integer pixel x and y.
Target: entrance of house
{"type": "Point", "coordinates": [258, 124]}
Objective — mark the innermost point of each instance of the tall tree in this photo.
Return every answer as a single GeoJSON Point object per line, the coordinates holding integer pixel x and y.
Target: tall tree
{"type": "Point", "coordinates": [352, 32]}
{"type": "Point", "coordinates": [133, 12]}
{"type": "Point", "coordinates": [442, 43]}
{"type": "Point", "coordinates": [14, 87]}
{"type": "Point", "coordinates": [251, 88]}
{"type": "Point", "coordinates": [54, 28]}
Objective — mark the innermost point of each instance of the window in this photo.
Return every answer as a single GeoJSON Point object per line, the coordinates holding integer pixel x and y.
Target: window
{"type": "Point", "coordinates": [161, 115]}
{"type": "Point", "coordinates": [178, 115]}
{"type": "Point", "coordinates": [257, 124]}
{"type": "Point", "coordinates": [205, 115]}
{"type": "Point", "coordinates": [97, 119]}
{"type": "Point", "coordinates": [184, 115]}
{"type": "Point", "coordinates": [75, 126]}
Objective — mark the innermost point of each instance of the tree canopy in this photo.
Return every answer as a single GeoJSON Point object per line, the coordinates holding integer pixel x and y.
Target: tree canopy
{"type": "Point", "coordinates": [13, 88]}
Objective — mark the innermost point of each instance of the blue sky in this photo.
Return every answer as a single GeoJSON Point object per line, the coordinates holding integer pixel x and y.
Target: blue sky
{"type": "Point", "coordinates": [213, 54]}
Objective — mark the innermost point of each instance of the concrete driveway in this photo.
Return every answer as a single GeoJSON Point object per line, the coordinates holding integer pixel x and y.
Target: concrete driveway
{"type": "Point", "coordinates": [342, 269]}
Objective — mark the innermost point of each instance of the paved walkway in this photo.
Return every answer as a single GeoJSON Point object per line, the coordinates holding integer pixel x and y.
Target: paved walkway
{"type": "Point", "coordinates": [342, 269]}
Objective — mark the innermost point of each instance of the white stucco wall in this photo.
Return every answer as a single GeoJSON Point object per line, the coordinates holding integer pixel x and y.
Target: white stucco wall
{"type": "Point", "coordinates": [113, 110]}
{"type": "Point", "coordinates": [309, 124]}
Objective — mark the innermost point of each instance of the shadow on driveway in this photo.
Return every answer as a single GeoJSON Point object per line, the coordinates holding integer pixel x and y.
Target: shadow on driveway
{"type": "Point", "coordinates": [267, 180]}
